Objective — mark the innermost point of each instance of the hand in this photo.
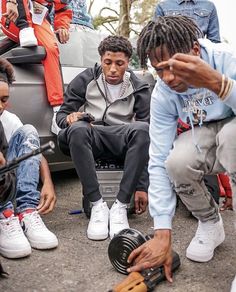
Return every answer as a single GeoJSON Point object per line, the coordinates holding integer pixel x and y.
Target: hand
{"type": "Point", "coordinates": [11, 11]}
{"type": "Point", "coordinates": [48, 198]}
{"type": "Point", "coordinates": [193, 71]}
{"type": "Point", "coordinates": [140, 202]}
{"type": "Point", "coordinates": [153, 253]}
{"type": "Point", "coordinates": [74, 117]}
{"type": "Point", "coordinates": [63, 35]}
{"type": "Point", "coordinates": [2, 160]}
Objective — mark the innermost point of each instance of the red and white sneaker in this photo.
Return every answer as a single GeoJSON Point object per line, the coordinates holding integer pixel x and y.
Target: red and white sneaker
{"type": "Point", "coordinates": [13, 243]}
{"type": "Point", "coordinates": [36, 231]}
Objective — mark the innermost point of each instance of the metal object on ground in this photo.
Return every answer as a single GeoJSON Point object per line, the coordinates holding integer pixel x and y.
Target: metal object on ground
{"type": "Point", "coordinates": [119, 250]}
{"type": "Point", "coordinates": [122, 245]}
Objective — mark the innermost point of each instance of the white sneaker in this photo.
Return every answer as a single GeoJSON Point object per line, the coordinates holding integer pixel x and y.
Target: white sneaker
{"type": "Point", "coordinates": [37, 233]}
{"type": "Point", "coordinates": [118, 219]}
{"type": "Point", "coordinates": [27, 37]}
{"type": "Point", "coordinates": [208, 236]}
{"type": "Point", "coordinates": [233, 287]}
{"type": "Point", "coordinates": [98, 223]}
{"type": "Point", "coordinates": [13, 243]}
{"type": "Point", "coordinates": [54, 127]}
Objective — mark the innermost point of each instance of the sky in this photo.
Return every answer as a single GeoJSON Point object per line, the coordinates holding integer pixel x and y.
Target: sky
{"type": "Point", "coordinates": [226, 10]}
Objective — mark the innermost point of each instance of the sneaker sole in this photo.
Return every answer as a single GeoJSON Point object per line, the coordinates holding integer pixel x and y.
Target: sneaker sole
{"type": "Point", "coordinates": [15, 254]}
{"type": "Point", "coordinates": [28, 44]}
{"type": "Point", "coordinates": [43, 245]}
{"type": "Point", "coordinates": [204, 257]}
{"type": "Point", "coordinates": [97, 237]}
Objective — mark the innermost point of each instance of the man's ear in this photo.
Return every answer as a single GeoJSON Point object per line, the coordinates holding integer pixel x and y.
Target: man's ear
{"type": "Point", "coordinates": [196, 49]}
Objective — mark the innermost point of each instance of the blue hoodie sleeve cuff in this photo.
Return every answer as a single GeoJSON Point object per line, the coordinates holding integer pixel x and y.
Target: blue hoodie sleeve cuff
{"type": "Point", "coordinates": [230, 100]}
{"type": "Point", "coordinates": [162, 222]}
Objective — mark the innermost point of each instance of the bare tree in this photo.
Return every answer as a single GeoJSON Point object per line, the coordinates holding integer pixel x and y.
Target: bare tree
{"type": "Point", "coordinates": [130, 17]}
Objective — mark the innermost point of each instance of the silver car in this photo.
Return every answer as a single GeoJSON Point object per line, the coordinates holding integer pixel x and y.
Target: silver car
{"type": "Point", "coordinates": [28, 94]}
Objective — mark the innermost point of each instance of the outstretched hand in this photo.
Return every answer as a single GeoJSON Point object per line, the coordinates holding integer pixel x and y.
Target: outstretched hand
{"type": "Point", "coordinates": [153, 253]}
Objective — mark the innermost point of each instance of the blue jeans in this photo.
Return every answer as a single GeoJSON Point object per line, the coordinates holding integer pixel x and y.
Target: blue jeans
{"type": "Point", "coordinates": [24, 140]}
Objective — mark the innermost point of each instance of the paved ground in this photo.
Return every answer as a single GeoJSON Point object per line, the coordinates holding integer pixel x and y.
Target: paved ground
{"type": "Point", "coordinates": [79, 264]}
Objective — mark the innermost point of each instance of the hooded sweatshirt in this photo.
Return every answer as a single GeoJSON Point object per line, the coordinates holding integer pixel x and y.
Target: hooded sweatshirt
{"type": "Point", "coordinates": [166, 107]}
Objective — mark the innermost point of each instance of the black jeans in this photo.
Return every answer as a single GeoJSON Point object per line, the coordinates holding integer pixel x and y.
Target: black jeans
{"type": "Point", "coordinates": [129, 142]}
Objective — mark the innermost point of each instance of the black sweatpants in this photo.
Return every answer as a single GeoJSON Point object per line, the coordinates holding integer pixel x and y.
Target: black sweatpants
{"type": "Point", "coordinates": [129, 142]}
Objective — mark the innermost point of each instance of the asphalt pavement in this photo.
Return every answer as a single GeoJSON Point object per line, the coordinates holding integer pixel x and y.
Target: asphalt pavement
{"type": "Point", "coordinates": [82, 265]}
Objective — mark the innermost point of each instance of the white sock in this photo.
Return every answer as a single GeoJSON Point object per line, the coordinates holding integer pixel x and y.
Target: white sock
{"type": "Point", "coordinates": [120, 203]}
{"type": "Point", "coordinates": [56, 108]}
{"type": "Point", "coordinates": [100, 201]}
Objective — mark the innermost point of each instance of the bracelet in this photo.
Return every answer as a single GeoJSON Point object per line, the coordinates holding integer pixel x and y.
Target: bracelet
{"type": "Point", "coordinates": [13, 2]}
{"type": "Point", "coordinates": [222, 85]}
{"type": "Point", "coordinates": [227, 87]}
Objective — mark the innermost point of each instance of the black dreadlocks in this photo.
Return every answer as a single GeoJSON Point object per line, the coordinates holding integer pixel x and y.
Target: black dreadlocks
{"type": "Point", "coordinates": [6, 71]}
{"type": "Point", "coordinates": [115, 44]}
{"type": "Point", "coordinates": [177, 33]}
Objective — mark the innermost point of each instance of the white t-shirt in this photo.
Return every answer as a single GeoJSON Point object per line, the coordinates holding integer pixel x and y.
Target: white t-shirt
{"type": "Point", "coordinates": [113, 91]}
{"type": "Point", "coordinates": [10, 123]}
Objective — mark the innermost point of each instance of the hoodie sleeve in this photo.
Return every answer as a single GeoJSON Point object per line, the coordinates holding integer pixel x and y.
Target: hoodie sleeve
{"type": "Point", "coordinates": [163, 126]}
{"type": "Point", "coordinates": [142, 103]}
{"type": "Point", "coordinates": [74, 97]}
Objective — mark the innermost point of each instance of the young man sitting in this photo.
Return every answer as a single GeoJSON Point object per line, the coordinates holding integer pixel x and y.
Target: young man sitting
{"type": "Point", "coordinates": [119, 102]}
{"type": "Point", "coordinates": [24, 229]}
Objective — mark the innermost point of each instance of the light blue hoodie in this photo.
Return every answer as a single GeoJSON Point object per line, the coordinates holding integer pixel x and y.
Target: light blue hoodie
{"type": "Point", "coordinates": [166, 107]}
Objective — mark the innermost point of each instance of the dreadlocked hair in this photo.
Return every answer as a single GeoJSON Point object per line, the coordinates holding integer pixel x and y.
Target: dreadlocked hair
{"type": "Point", "coordinates": [115, 44]}
{"type": "Point", "coordinates": [6, 71]}
{"type": "Point", "coordinates": [177, 33]}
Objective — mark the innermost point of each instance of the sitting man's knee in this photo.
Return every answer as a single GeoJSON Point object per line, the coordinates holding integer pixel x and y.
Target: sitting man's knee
{"type": "Point", "coordinates": [28, 131]}
{"type": "Point", "coordinates": [79, 131]}
{"type": "Point", "coordinates": [141, 132]}
{"type": "Point", "coordinates": [175, 168]}
{"type": "Point", "coordinates": [140, 126]}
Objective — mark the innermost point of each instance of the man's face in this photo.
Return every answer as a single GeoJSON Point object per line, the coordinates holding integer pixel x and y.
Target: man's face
{"type": "Point", "coordinates": [114, 66]}
{"type": "Point", "coordinates": [4, 96]}
{"type": "Point", "coordinates": [174, 82]}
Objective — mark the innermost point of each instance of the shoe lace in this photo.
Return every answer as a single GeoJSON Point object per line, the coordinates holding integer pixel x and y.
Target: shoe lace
{"type": "Point", "coordinates": [119, 214]}
{"type": "Point", "coordinates": [35, 220]}
{"type": "Point", "coordinates": [98, 214]}
{"type": "Point", "coordinates": [11, 226]}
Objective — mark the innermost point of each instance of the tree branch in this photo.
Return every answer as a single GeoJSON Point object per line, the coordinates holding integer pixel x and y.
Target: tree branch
{"type": "Point", "coordinates": [108, 8]}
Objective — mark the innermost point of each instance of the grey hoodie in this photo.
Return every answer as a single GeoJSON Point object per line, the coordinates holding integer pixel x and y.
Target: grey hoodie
{"type": "Point", "coordinates": [87, 90]}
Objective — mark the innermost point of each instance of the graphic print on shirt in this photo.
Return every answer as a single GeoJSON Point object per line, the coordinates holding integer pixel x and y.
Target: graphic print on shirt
{"type": "Point", "coordinates": [195, 105]}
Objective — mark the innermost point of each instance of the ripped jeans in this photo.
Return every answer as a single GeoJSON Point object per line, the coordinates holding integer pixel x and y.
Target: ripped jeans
{"type": "Point", "coordinates": [24, 140]}
{"type": "Point", "coordinates": [186, 166]}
